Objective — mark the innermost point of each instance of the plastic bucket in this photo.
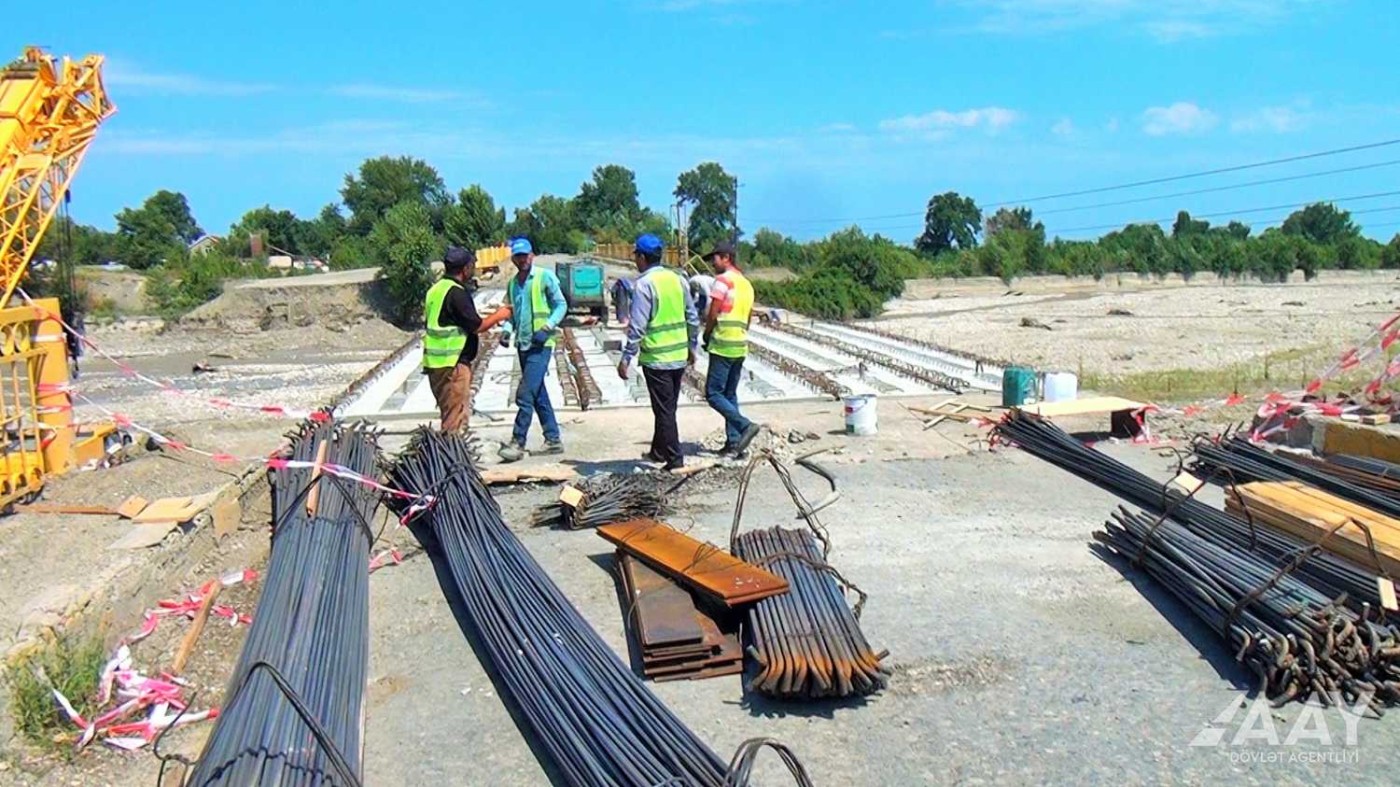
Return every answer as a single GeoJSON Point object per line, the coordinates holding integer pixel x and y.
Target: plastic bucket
{"type": "Point", "coordinates": [860, 414]}
{"type": "Point", "coordinates": [1061, 387]}
{"type": "Point", "coordinates": [1017, 386]}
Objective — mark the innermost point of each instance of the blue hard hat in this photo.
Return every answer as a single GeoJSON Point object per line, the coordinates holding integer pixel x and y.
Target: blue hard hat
{"type": "Point", "coordinates": [521, 246]}
{"type": "Point", "coordinates": [649, 244]}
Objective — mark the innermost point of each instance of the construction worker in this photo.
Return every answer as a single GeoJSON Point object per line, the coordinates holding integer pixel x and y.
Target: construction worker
{"type": "Point", "coordinates": [534, 307]}
{"type": "Point", "coordinates": [662, 333]}
{"type": "Point", "coordinates": [727, 342]}
{"type": "Point", "coordinates": [450, 342]}
{"type": "Point", "coordinates": [700, 286]}
{"type": "Point", "coordinates": [622, 299]}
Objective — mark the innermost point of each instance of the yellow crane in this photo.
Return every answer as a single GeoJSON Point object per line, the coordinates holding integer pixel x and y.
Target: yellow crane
{"type": "Point", "coordinates": [50, 110]}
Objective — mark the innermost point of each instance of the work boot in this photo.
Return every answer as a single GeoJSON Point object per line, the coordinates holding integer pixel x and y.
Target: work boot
{"type": "Point", "coordinates": [553, 447]}
{"type": "Point", "coordinates": [511, 452]}
{"type": "Point", "coordinates": [673, 466]}
{"type": "Point", "coordinates": [747, 437]}
{"type": "Point", "coordinates": [652, 457]}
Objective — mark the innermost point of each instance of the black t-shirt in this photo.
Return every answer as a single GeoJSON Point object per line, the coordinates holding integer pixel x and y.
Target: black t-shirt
{"type": "Point", "coordinates": [459, 309]}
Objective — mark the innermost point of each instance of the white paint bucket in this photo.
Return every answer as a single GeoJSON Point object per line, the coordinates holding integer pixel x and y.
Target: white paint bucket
{"type": "Point", "coordinates": [860, 414]}
{"type": "Point", "coordinates": [1061, 387]}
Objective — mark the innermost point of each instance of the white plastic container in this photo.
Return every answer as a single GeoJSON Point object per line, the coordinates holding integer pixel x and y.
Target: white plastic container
{"type": "Point", "coordinates": [860, 414]}
{"type": "Point", "coordinates": [1061, 387]}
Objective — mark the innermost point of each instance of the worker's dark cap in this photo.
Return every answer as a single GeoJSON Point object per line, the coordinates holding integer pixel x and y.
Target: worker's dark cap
{"type": "Point", "coordinates": [723, 247]}
{"type": "Point", "coordinates": [458, 258]}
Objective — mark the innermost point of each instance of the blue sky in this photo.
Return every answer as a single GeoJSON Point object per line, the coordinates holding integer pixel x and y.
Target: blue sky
{"type": "Point", "coordinates": [827, 111]}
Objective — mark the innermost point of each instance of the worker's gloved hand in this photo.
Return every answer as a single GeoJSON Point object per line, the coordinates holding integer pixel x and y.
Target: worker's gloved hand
{"type": "Point", "coordinates": [541, 336]}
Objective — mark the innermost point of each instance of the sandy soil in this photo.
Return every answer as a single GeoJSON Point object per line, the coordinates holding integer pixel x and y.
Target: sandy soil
{"type": "Point", "coordinates": [1195, 328]}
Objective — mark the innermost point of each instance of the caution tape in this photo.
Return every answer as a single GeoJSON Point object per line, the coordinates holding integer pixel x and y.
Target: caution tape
{"type": "Point", "coordinates": [165, 385]}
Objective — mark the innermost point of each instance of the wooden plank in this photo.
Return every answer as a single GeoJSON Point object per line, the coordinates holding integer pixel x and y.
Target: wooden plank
{"type": "Point", "coordinates": [702, 567]}
{"type": "Point", "coordinates": [132, 506]}
{"type": "Point", "coordinates": [1091, 405]}
{"type": "Point", "coordinates": [1376, 420]}
{"type": "Point", "coordinates": [177, 667]}
{"type": "Point", "coordinates": [59, 508]}
{"type": "Point", "coordinates": [1311, 514]}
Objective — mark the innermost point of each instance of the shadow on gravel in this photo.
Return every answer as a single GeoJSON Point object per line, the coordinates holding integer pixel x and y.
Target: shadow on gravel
{"type": "Point", "coordinates": [455, 602]}
{"type": "Point", "coordinates": [1206, 640]}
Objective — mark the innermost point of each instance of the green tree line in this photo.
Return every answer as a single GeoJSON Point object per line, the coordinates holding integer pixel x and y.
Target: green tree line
{"type": "Point", "coordinates": [395, 213]}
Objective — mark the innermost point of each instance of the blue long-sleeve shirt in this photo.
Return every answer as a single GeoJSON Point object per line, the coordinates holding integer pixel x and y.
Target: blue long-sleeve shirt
{"type": "Point", "coordinates": [644, 307]}
{"type": "Point", "coordinates": [521, 319]}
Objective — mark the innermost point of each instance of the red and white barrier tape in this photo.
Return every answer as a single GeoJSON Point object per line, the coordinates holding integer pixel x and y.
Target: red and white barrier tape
{"type": "Point", "coordinates": [165, 385]}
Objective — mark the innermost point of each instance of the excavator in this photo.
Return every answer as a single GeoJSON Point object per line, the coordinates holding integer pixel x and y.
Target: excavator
{"type": "Point", "coordinates": [50, 110]}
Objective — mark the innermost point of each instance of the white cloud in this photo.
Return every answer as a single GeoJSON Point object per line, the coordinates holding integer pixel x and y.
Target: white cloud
{"type": "Point", "coordinates": [1276, 120]}
{"type": "Point", "coordinates": [837, 128]}
{"type": "Point", "coordinates": [1111, 126]}
{"type": "Point", "coordinates": [407, 95]}
{"type": "Point", "coordinates": [942, 120]}
{"type": "Point", "coordinates": [1064, 127]}
{"type": "Point", "coordinates": [1164, 20]}
{"type": "Point", "coordinates": [1183, 117]}
{"type": "Point", "coordinates": [131, 78]}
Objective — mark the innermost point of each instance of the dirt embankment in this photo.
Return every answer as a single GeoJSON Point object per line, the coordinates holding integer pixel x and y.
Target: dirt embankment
{"type": "Point", "coordinates": [336, 301]}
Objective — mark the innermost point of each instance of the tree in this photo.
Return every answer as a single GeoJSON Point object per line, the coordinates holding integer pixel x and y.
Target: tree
{"type": "Point", "coordinates": [1390, 255]}
{"type": "Point", "coordinates": [711, 193]}
{"type": "Point", "coordinates": [405, 243]}
{"type": "Point", "coordinates": [278, 228]}
{"type": "Point", "coordinates": [1237, 230]}
{"type": "Point", "coordinates": [609, 199]}
{"type": "Point", "coordinates": [550, 225]}
{"type": "Point", "coordinates": [474, 222]}
{"type": "Point", "coordinates": [160, 229]}
{"type": "Point", "coordinates": [317, 237]}
{"type": "Point", "coordinates": [1012, 219]}
{"type": "Point", "coordinates": [952, 221]}
{"type": "Point", "coordinates": [1185, 225]}
{"type": "Point", "coordinates": [385, 182]}
{"type": "Point", "coordinates": [1321, 222]}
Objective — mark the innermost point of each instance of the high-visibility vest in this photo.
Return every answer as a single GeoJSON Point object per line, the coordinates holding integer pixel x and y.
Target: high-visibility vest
{"type": "Point", "coordinates": [442, 344]}
{"type": "Point", "coordinates": [667, 339]}
{"type": "Point", "coordinates": [731, 335]}
{"type": "Point", "coordinates": [539, 307]}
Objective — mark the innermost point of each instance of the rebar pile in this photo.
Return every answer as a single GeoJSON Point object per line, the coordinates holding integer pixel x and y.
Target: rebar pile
{"type": "Point", "coordinates": [294, 709]}
{"type": "Point", "coordinates": [568, 383]}
{"type": "Point", "coordinates": [1295, 640]}
{"type": "Point", "coordinates": [1375, 474]}
{"type": "Point", "coordinates": [596, 720]}
{"type": "Point", "coordinates": [921, 374]}
{"type": "Point", "coordinates": [807, 642]}
{"type": "Point", "coordinates": [612, 497]}
{"type": "Point", "coordinates": [588, 391]}
{"type": "Point", "coordinates": [1330, 575]}
{"type": "Point", "coordinates": [1249, 462]}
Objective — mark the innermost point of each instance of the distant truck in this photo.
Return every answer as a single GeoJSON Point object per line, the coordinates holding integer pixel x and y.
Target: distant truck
{"type": "Point", "coordinates": [582, 284]}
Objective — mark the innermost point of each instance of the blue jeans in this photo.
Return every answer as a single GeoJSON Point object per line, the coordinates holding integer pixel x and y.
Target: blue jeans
{"type": "Point", "coordinates": [722, 392]}
{"type": "Point", "coordinates": [532, 397]}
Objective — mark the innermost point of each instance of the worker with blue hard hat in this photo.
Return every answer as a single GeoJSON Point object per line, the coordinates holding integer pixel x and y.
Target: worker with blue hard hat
{"type": "Point", "coordinates": [533, 309]}
{"type": "Point", "coordinates": [662, 332]}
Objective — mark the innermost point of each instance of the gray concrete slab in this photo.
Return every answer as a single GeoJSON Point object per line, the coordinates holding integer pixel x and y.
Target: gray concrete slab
{"type": "Point", "coordinates": [1019, 655]}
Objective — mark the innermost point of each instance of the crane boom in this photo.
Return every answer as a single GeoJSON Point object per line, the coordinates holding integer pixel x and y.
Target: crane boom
{"type": "Point", "coordinates": [49, 113]}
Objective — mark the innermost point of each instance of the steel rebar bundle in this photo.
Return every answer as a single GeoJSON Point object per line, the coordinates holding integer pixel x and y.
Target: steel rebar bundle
{"type": "Point", "coordinates": [1296, 641]}
{"type": "Point", "coordinates": [597, 721]}
{"type": "Point", "coordinates": [568, 383]}
{"type": "Point", "coordinates": [294, 711]}
{"type": "Point", "coordinates": [588, 391]}
{"type": "Point", "coordinates": [807, 642]}
{"type": "Point", "coordinates": [612, 497]}
{"type": "Point", "coordinates": [1331, 575]}
{"type": "Point", "coordinates": [1249, 462]}
{"type": "Point", "coordinates": [920, 374]}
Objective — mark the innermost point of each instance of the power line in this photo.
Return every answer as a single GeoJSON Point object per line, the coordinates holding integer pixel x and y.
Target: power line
{"type": "Point", "coordinates": [1219, 213]}
{"type": "Point", "coordinates": [1202, 174]}
{"type": "Point", "coordinates": [1214, 189]}
{"type": "Point", "coordinates": [1134, 184]}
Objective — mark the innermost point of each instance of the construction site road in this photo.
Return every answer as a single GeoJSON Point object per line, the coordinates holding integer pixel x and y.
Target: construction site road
{"type": "Point", "coordinates": [1019, 656]}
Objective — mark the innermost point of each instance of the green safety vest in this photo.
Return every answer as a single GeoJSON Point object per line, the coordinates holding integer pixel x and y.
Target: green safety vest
{"type": "Point", "coordinates": [539, 307]}
{"type": "Point", "coordinates": [731, 335]}
{"type": "Point", "coordinates": [667, 339]}
{"type": "Point", "coordinates": [442, 344]}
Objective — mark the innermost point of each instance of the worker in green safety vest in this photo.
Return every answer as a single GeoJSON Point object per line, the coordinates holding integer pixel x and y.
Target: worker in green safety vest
{"type": "Point", "coordinates": [534, 308]}
{"type": "Point", "coordinates": [450, 342]}
{"type": "Point", "coordinates": [727, 342]}
{"type": "Point", "coordinates": [662, 334]}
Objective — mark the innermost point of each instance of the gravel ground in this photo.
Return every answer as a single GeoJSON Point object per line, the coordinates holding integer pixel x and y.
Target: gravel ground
{"type": "Point", "coordinates": [1198, 327]}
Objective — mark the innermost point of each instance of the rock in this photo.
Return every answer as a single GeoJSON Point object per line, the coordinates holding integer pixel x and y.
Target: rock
{"type": "Point", "coordinates": [1119, 313]}
{"type": "Point", "coordinates": [1292, 303]}
{"type": "Point", "coordinates": [1031, 322]}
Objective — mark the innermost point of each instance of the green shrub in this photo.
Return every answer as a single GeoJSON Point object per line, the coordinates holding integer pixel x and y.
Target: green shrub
{"type": "Point", "coordinates": [73, 667]}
